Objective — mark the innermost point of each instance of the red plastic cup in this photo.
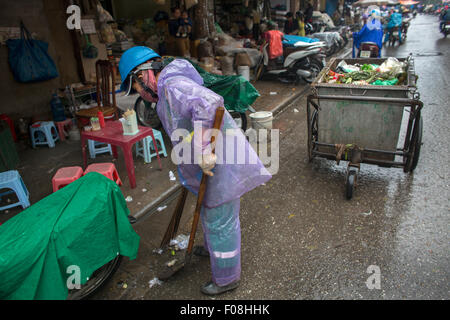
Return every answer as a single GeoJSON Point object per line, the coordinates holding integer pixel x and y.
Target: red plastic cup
{"type": "Point", "coordinates": [101, 119]}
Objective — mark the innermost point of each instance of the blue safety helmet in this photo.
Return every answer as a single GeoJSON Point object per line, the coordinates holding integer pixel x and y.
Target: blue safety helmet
{"type": "Point", "coordinates": [132, 58]}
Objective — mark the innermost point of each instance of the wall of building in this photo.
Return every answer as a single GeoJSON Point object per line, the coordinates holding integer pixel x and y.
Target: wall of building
{"type": "Point", "coordinates": [47, 18]}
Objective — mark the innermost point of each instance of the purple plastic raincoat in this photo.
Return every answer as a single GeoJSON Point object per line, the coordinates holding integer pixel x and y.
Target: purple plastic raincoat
{"type": "Point", "coordinates": [182, 101]}
{"type": "Point", "coordinates": [184, 104]}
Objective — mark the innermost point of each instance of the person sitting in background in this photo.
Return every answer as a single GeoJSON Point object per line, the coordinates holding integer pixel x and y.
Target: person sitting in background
{"type": "Point", "coordinates": [274, 38]}
{"type": "Point", "coordinates": [291, 25]}
{"type": "Point", "coordinates": [180, 45]}
{"type": "Point", "coordinates": [173, 25]}
{"type": "Point", "coordinates": [301, 23]}
{"type": "Point", "coordinates": [185, 26]}
{"type": "Point", "coordinates": [309, 12]}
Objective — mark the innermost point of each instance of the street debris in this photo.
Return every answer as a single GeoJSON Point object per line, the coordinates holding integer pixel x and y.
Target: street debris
{"type": "Point", "coordinates": [154, 281]}
{"type": "Point", "coordinates": [144, 190]}
{"type": "Point", "coordinates": [367, 213]}
{"type": "Point", "coordinates": [172, 176]}
{"type": "Point", "coordinates": [273, 93]}
{"type": "Point", "coordinates": [172, 263]}
{"type": "Point", "coordinates": [181, 241]}
{"type": "Point", "coordinates": [128, 199]}
{"type": "Point", "coordinates": [296, 110]}
{"type": "Point", "coordinates": [161, 208]}
{"type": "Point", "coordinates": [158, 251]}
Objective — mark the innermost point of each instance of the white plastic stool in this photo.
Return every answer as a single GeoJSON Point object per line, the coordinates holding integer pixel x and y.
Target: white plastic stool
{"type": "Point", "coordinates": [44, 133]}
{"type": "Point", "coordinates": [96, 147]}
{"type": "Point", "coordinates": [145, 147]}
{"type": "Point", "coordinates": [12, 180]}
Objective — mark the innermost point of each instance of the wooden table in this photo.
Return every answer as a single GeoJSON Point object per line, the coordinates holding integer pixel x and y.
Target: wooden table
{"type": "Point", "coordinates": [113, 134]}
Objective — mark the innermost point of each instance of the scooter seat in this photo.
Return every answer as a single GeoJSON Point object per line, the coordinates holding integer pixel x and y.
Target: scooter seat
{"type": "Point", "coordinates": [304, 44]}
{"type": "Point", "coordinates": [301, 44]}
{"type": "Point", "coordinates": [369, 42]}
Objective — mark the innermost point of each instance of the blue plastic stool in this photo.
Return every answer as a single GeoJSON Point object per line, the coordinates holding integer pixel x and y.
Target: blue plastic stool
{"type": "Point", "coordinates": [43, 133]}
{"type": "Point", "coordinates": [13, 180]}
{"type": "Point", "coordinates": [96, 147]}
{"type": "Point", "coordinates": [147, 148]}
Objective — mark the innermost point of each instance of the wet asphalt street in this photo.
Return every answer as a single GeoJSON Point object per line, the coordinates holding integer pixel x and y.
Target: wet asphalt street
{"type": "Point", "coordinates": [301, 239]}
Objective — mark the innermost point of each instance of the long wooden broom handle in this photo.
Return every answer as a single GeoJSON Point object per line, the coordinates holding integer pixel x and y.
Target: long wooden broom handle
{"type": "Point", "coordinates": [202, 190]}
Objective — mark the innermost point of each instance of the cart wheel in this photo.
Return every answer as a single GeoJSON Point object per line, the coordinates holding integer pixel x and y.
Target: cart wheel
{"type": "Point", "coordinates": [350, 184]}
{"type": "Point", "coordinates": [314, 135]}
{"type": "Point", "coordinates": [416, 143]}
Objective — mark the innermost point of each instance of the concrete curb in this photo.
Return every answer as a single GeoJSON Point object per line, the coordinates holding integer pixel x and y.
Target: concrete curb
{"type": "Point", "coordinates": [286, 102]}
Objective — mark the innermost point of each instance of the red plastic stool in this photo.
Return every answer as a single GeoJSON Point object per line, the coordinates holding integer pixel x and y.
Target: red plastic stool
{"type": "Point", "coordinates": [107, 169]}
{"type": "Point", "coordinates": [61, 128]}
{"type": "Point", "coordinates": [65, 176]}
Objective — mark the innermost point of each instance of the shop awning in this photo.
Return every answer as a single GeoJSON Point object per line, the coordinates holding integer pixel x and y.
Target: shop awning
{"type": "Point", "coordinates": [366, 3]}
{"type": "Point", "coordinates": [408, 2]}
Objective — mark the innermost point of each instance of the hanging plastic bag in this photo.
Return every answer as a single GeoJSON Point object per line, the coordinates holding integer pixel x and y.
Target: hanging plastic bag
{"type": "Point", "coordinates": [89, 51]}
{"type": "Point", "coordinates": [29, 59]}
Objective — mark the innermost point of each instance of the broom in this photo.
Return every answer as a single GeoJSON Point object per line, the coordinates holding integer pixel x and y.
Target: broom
{"type": "Point", "coordinates": [170, 270]}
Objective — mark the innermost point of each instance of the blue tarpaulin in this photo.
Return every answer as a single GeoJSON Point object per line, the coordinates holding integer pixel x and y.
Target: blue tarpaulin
{"type": "Point", "coordinates": [291, 40]}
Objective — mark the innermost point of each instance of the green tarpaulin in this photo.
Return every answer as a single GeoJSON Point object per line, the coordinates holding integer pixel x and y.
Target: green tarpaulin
{"type": "Point", "coordinates": [238, 93]}
{"type": "Point", "coordinates": [84, 224]}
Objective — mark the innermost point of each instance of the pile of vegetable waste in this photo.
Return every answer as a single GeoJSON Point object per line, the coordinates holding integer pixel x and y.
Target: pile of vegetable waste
{"type": "Point", "coordinates": [391, 72]}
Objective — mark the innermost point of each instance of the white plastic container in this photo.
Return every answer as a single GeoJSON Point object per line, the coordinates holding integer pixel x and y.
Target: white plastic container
{"type": "Point", "coordinates": [262, 120]}
{"type": "Point", "coordinates": [130, 126]}
{"type": "Point", "coordinates": [244, 71]}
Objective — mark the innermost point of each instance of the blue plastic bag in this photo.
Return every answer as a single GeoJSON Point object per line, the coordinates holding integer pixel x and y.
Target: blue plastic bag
{"type": "Point", "coordinates": [29, 59]}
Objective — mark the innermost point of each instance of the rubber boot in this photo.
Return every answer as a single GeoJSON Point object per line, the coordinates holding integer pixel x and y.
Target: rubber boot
{"type": "Point", "coordinates": [201, 251]}
{"type": "Point", "coordinates": [212, 289]}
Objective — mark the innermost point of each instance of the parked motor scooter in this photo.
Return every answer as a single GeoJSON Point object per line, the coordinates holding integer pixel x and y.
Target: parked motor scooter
{"type": "Point", "coordinates": [334, 41]}
{"type": "Point", "coordinates": [344, 32]}
{"type": "Point", "coordinates": [405, 26]}
{"type": "Point", "coordinates": [394, 35]}
{"type": "Point", "coordinates": [304, 61]}
{"type": "Point", "coordinates": [368, 50]}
